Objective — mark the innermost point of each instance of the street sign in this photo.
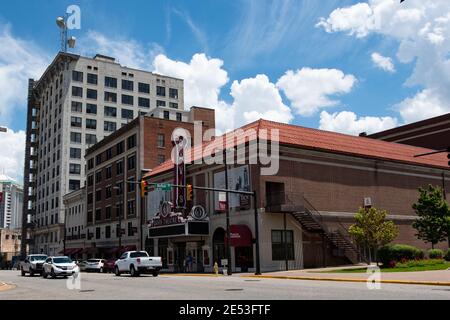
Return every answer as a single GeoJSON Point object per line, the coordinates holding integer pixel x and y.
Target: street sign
{"type": "Point", "coordinates": [164, 186]}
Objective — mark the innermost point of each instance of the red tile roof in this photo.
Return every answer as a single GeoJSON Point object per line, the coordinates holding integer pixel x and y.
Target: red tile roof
{"type": "Point", "coordinates": [320, 140]}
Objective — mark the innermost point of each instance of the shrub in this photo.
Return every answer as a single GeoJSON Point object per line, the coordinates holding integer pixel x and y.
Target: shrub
{"type": "Point", "coordinates": [397, 253]}
{"type": "Point", "coordinates": [447, 255]}
{"type": "Point", "coordinates": [435, 254]}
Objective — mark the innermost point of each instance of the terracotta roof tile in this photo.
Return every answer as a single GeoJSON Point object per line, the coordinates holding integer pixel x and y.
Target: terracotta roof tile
{"type": "Point", "coordinates": [314, 139]}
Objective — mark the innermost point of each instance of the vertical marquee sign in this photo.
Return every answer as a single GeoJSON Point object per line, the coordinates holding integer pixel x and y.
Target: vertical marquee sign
{"type": "Point", "coordinates": [179, 172]}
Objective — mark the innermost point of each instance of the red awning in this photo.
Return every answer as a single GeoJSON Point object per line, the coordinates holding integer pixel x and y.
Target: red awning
{"type": "Point", "coordinates": [76, 250]}
{"type": "Point", "coordinates": [241, 236]}
{"type": "Point", "coordinates": [128, 248]}
{"type": "Point", "coordinates": [89, 250]}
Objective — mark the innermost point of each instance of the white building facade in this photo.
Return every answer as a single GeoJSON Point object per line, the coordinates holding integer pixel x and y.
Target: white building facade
{"type": "Point", "coordinates": [11, 203]}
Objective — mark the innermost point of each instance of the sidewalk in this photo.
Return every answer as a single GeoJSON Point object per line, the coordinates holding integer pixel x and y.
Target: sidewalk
{"type": "Point", "coordinates": [439, 277]}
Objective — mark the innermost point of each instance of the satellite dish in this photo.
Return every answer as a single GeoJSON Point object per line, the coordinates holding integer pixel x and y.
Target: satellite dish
{"type": "Point", "coordinates": [60, 22]}
{"type": "Point", "coordinates": [71, 42]}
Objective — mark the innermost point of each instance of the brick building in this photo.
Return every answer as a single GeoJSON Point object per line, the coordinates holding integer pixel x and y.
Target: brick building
{"type": "Point", "coordinates": [305, 209]}
{"type": "Point", "coordinates": [433, 133]}
{"type": "Point", "coordinates": [118, 159]}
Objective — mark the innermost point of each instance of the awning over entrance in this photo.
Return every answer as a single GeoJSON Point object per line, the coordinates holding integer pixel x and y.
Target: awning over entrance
{"type": "Point", "coordinates": [241, 236]}
{"type": "Point", "coordinates": [70, 251]}
{"type": "Point", "coordinates": [89, 250]}
{"type": "Point", "coordinates": [120, 250]}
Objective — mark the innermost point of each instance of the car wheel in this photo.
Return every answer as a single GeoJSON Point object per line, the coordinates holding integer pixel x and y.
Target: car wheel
{"type": "Point", "coordinates": [133, 272]}
{"type": "Point", "coordinates": [155, 273]}
{"type": "Point", "coordinates": [31, 273]}
{"type": "Point", "coordinates": [116, 271]}
{"type": "Point", "coordinates": [22, 272]}
{"type": "Point", "coordinates": [53, 274]}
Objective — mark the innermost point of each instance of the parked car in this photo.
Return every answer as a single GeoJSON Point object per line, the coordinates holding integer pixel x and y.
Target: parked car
{"type": "Point", "coordinates": [137, 262]}
{"type": "Point", "coordinates": [95, 265]}
{"type": "Point", "coordinates": [81, 265]}
{"type": "Point", "coordinates": [109, 265]}
{"type": "Point", "coordinates": [32, 264]}
{"type": "Point", "coordinates": [59, 266]}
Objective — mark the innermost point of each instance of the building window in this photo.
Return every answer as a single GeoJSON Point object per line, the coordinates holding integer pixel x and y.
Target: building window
{"type": "Point", "coordinates": [109, 126]}
{"type": "Point", "coordinates": [119, 167]}
{"type": "Point", "coordinates": [91, 94]}
{"type": "Point", "coordinates": [77, 92]}
{"type": "Point", "coordinates": [98, 195]}
{"type": "Point", "coordinates": [90, 180]}
{"type": "Point", "coordinates": [77, 76]}
{"type": "Point", "coordinates": [179, 117]}
{"type": "Point", "coordinates": [173, 105]}
{"type": "Point", "coordinates": [131, 162]}
{"type": "Point", "coordinates": [160, 103]}
{"type": "Point", "coordinates": [110, 97]}
{"type": "Point", "coordinates": [173, 93]}
{"type": "Point", "coordinates": [74, 185]}
{"type": "Point", "coordinates": [92, 78]}
{"type": "Point", "coordinates": [110, 112]}
{"type": "Point", "coordinates": [127, 114]}
{"type": "Point", "coordinates": [108, 172]}
{"type": "Point", "coordinates": [127, 85]}
{"type": "Point", "coordinates": [108, 192]}
{"type": "Point", "coordinates": [91, 108]}
{"type": "Point", "coordinates": [98, 177]}
{"type": "Point", "coordinates": [110, 82]}
{"type": "Point", "coordinates": [91, 124]}
{"type": "Point", "coordinates": [131, 208]}
{"type": "Point", "coordinates": [108, 228]}
{"type": "Point", "coordinates": [166, 115]}
{"type": "Point", "coordinates": [144, 102]}
{"type": "Point", "coordinates": [74, 168]}
{"type": "Point", "coordinates": [75, 137]}
{"type": "Point", "coordinates": [89, 217]}
{"type": "Point", "coordinates": [131, 142]}
{"type": "Point", "coordinates": [97, 230]}
{"type": "Point", "coordinates": [126, 99]}
{"type": "Point", "coordinates": [161, 159]}
{"type": "Point", "coordinates": [131, 186]}
{"type": "Point", "coordinates": [161, 140]}
{"type": "Point", "coordinates": [282, 245]}
{"type": "Point", "coordinates": [120, 147]}
{"type": "Point", "coordinates": [98, 159]}
{"type": "Point", "coordinates": [160, 91]}
{"type": "Point", "coordinates": [77, 106]}
{"type": "Point", "coordinates": [75, 153]}
{"type": "Point", "coordinates": [91, 139]}
{"type": "Point", "coordinates": [144, 87]}
{"type": "Point", "coordinates": [119, 189]}
{"type": "Point", "coordinates": [108, 153]}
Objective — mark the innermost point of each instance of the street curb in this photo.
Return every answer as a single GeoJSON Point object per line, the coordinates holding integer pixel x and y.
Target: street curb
{"type": "Point", "coordinates": [5, 286]}
{"type": "Point", "coordinates": [191, 275]}
{"type": "Point", "coordinates": [427, 283]}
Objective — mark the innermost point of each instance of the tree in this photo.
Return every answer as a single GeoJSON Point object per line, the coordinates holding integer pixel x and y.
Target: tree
{"type": "Point", "coordinates": [433, 222]}
{"type": "Point", "coordinates": [371, 229]}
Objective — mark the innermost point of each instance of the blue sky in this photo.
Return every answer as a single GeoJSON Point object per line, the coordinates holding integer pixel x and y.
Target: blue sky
{"type": "Point", "coordinates": [328, 46]}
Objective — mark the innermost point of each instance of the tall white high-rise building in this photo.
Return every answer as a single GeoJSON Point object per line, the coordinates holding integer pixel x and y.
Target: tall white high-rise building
{"type": "Point", "coordinates": [11, 203]}
{"type": "Point", "coordinates": [76, 103]}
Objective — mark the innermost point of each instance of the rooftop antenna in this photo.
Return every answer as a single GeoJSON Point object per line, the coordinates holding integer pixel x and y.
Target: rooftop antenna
{"type": "Point", "coordinates": [61, 22]}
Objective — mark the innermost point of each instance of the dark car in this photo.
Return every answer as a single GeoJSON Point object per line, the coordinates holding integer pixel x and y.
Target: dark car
{"type": "Point", "coordinates": [108, 266]}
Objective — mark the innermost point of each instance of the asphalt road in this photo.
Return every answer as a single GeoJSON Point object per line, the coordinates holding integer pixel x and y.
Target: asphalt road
{"type": "Point", "coordinates": [167, 287]}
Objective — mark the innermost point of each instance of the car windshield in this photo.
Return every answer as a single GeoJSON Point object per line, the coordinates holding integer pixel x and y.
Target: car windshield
{"type": "Point", "coordinates": [138, 254]}
{"type": "Point", "coordinates": [62, 260]}
{"type": "Point", "coordinates": [93, 260]}
{"type": "Point", "coordinates": [37, 258]}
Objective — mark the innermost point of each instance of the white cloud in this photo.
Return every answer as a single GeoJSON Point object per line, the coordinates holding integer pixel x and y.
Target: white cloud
{"type": "Point", "coordinates": [384, 63]}
{"type": "Point", "coordinates": [204, 79]}
{"type": "Point", "coordinates": [348, 122]}
{"type": "Point", "coordinates": [422, 28]}
{"type": "Point", "coordinates": [257, 98]}
{"type": "Point", "coordinates": [12, 149]}
{"type": "Point", "coordinates": [312, 89]}
{"type": "Point", "coordinates": [19, 61]}
{"type": "Point", "coordinates": [128, 52]}
{"type": "Point", "coordinates": [425, 104]}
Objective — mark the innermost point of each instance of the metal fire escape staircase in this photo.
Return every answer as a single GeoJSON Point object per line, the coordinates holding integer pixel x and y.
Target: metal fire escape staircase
{"type": "Point", "coordinates": [312, 221]}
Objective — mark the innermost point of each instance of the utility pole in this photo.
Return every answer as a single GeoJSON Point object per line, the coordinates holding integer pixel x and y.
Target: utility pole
{"type": "Point", "coordinates": [227, 200]}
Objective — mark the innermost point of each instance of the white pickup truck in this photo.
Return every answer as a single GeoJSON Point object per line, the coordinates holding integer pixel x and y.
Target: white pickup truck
{"type": "Point", "coordinates": [33, 264]}
{"type": "Point", "coordinates": [137, 262]}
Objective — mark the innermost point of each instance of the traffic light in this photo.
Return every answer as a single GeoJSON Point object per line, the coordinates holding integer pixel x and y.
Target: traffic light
{"type": "Point", "coordinates": [189, 192]}
{"type": "Point", "coordinates": [144, 188]}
